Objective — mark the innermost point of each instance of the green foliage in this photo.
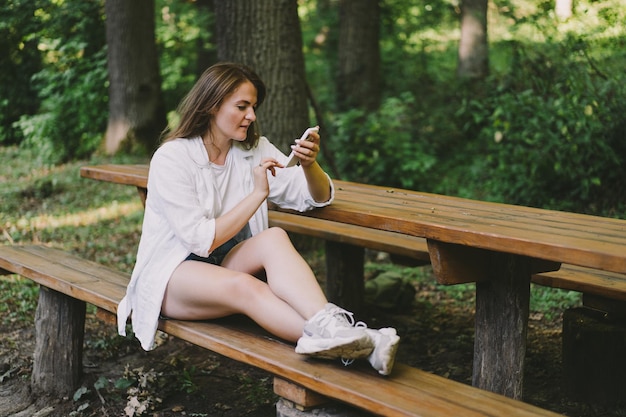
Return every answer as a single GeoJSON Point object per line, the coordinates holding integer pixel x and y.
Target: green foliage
{"type": "Point", "coordinates": [18, 300]}
{"type": "Point", "coordinates": [383, 147]}
{"type": "Point", "coordinates": [552, 135]}
{"type": "Point", "coordinates": [71, 86]}
{"type": "Point", "coordinates": [184, 40]}
{"type": "Point", "coordinates": [417, 51]}
{"type": "Point", "coordinates": [54, 204]}
{"type": "Point", "coordinates": [186, 382]}
{"type": "Point", "coordinates": [70, 122]}
{"type": "Point", "coordinates": [257, 391]}
{"type": "Point", "coordinates": [549, 303]}
{"type": "Point", "coordinates": [19, 60]}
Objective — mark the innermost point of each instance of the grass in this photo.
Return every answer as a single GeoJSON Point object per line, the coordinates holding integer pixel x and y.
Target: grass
{"type": "Point", "coordinates": [55, 206]}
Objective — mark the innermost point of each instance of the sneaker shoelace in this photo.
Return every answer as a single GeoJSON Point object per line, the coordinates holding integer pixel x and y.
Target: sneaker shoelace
{"type": "Point", "coordinates": [341, 315]}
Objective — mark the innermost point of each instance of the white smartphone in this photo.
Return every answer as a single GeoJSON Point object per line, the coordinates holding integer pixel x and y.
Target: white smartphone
{"type": "Point", "coordinates": [293, 160]}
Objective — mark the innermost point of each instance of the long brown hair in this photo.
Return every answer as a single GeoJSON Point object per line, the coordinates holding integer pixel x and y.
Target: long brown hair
{"type": "Point", "coordinates": [217, 82]}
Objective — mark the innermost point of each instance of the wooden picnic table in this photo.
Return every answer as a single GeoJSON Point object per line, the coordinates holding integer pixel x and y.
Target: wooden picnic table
{"type": "Point", "coordinates": [498, 246]}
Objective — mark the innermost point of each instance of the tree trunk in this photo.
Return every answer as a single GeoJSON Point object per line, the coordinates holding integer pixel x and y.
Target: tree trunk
{"type": "Point", "coordinates": [59, 331]}
{"type": "Point", "coordinates": [358, 80]}
{"type": "Point", "coordinates": [206, 56]}
{"type": "Point", "coordinates": [265, 35]}
{"type": "Point", "coordinates": [473, 48]}
{"type": "Point", "coordinates": [136, 107]}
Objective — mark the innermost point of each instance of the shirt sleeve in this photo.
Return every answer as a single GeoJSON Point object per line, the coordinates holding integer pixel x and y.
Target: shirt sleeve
{"type": "Point", "coordinates": [173, 184]}
{"type": "Point", "coordinates": [289, 188]}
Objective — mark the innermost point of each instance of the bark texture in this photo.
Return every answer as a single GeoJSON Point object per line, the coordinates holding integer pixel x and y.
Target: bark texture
{"type": "Point", "coordinates": [136, 107]}
{"type": "Point", "coordinates": [358, 80]}
{"type": "Point", "coordinates": [266, 35]}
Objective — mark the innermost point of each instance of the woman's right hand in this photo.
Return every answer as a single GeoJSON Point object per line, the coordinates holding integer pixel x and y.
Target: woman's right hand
{"type": "Point", "coordinates": [261, 184]}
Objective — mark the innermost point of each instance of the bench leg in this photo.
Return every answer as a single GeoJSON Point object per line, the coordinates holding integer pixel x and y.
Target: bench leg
{"type": "Point", "coordinates": [59, 334]}
{"type": "Point", "coordinates": [344, 275]}
{"type": "Point", "coordinates": [297, 401]}
{"type": "Point", "coordinates": [502, 309]}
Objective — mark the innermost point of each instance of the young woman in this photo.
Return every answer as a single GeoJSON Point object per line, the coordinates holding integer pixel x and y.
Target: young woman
{"type": "Point", "coordinates": [205, 240]}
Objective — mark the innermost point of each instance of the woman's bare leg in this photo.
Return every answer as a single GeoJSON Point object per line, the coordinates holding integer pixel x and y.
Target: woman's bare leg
{"type": "Point", "coordinates": [199, 290]}
{"type": "Point", "coordinates": [288, 274]}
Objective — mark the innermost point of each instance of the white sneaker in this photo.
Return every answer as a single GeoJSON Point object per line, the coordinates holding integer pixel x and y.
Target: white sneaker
{"type": "Point", "coordinates": [386, 345]}
{"type": "Point", "coordinates": [331, 334]}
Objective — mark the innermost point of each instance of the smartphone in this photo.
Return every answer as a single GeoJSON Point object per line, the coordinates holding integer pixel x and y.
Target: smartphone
{"type": "Point", "coordinates": [293, 160]}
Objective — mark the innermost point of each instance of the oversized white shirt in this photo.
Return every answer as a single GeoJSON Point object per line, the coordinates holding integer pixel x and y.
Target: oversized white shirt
{"type": "Point", "coordinates": [179, 219]}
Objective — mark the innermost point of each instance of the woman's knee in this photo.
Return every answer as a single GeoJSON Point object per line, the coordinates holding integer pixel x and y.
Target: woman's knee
{"type": "Point", "coordinates": [276, 234]}
{"type": "Point", "coordinates": [245, 288]}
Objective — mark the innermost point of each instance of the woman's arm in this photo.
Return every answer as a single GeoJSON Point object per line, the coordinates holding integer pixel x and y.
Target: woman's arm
{"type": "Point", "coordinates": [317, 180]}
{"type": "Point", "coordinates": [230, 223]}
{"type": "Point", "coordinates": [319, 185]}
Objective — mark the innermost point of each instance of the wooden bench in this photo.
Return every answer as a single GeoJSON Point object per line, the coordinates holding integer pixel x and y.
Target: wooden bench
{"type": "Point", "coordinates": [67, 282]}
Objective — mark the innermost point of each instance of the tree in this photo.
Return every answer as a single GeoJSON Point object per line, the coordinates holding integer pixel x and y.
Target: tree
{"type": "Point", "coordinates": [136, 109]}
{"type": "Point", "coordinates": [358, 80]}
{"type": "Point", "coordinates": [473, 49]}
{"type": "Point", "coordinates": [206, 56]}
{"type": "Point", "coordinates": [266, 35]}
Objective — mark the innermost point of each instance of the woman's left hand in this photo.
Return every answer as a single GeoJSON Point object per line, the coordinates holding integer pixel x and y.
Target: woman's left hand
{"type": "Point", "coordinates": [307, 149]}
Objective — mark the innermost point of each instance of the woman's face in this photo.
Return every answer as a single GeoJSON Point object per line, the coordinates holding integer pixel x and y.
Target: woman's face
{"type": "Point", "coordinates": [235, 115]}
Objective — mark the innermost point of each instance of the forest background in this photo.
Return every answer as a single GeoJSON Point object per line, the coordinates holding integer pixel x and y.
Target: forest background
{"type": "Point", "coordinates": [535, 114]}
{"type": "Point", "coordinates": [542, 123]}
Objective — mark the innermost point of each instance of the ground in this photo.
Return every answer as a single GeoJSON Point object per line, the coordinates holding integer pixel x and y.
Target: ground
{"type": "Point", "coordinates": [180, 379]}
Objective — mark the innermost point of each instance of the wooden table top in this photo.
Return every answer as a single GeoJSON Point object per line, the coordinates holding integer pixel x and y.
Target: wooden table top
{"type": "Point", "coordinates": [578, 239]}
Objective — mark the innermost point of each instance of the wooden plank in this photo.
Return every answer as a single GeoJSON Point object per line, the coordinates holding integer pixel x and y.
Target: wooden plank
{"type": "Point", "coordinates": [471, 214]}
{"type": "Point", "coordinates": [67, 274]}
{"type": "Point", "coordinates": [489, 210]}
{"type": "Point", "coordinates": [549, 246]}
{"type": "Point", "coordinates": [457, 264]}
{"type": "Point", "coordinates": [585, 280]}
{"type": "Point", "coordinates": [136, 175]}
{"type": "Point", "coordinates": [297, 394]}
{"type": "Point", "coordinates": [407, 392]}
{"type": "Point", "coordinates": [381, 240]}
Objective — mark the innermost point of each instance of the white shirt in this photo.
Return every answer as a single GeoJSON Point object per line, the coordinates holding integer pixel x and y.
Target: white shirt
{"type": "Point", "coordinates": [183, 202]}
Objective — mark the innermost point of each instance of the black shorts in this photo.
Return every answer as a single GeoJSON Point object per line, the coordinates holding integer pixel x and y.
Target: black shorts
{"type": "Point", "coordinates": [217, 256]}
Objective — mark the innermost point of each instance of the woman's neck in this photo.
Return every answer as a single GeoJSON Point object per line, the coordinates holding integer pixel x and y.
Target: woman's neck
{"type": "Point", "coordinates": [216, 150]}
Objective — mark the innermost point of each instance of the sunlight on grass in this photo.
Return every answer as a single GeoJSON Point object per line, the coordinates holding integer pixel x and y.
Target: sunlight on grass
{"type": "Point", "coordinates": [84, 218]}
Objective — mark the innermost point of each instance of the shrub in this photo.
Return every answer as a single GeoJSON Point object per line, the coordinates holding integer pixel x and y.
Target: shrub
{"type": "Point", "coordinates": [73, 113]}
{"type": "Point", "coordinates": [72, 84]}
{"type": "Point", "coordinates": [552, 136]}
{"type": "Point", "coordinates": [382, 147]}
